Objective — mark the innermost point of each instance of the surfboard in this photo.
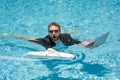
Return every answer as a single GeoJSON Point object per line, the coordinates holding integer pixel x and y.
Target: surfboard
{"type": "Point", "coordinates": [47, 54]}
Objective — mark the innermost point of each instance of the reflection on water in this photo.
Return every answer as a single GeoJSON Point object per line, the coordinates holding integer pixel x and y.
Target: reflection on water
{"type": "Point", "coordinates": [95, 69]}
{"type": "Point", "coordinates": [92, 69]}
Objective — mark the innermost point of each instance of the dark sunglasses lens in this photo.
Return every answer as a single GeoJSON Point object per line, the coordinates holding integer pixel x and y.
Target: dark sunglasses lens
{"type": "Point", "coordinates": [56, 31]}
{"type": "Point", "coordinates": [50, 31]}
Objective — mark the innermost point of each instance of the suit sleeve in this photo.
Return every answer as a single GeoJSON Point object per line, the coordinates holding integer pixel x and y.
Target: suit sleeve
{"type": "Point", "coordinates": [74, 41]}
{"type": "Point", "coordinates": [68, 40]}
{"type": "Point", "coordinates": [42, 41]}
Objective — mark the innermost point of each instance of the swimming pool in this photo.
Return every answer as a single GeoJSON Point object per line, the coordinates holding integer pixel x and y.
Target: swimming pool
{"type": "Point", "coordinates": [89, 18]}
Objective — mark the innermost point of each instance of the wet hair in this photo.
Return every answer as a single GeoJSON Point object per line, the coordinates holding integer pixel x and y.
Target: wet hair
{"type": "Point", "coordinates": [54, 24]}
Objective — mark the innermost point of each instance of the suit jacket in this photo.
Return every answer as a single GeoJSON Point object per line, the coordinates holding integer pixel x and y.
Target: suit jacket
{"type": "Point", "coordinates": [48, 43]}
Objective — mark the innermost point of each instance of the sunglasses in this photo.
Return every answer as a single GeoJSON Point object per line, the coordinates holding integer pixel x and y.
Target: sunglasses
{"type": "Point", "coordinates": [51, 31]}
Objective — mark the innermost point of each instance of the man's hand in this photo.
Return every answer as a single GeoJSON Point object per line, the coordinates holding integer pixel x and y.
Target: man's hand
{"type": "Point", "coordinates": [17, 36]}
{"type": "Point", "coordinates": [4, 35]}
{"type": "Point", "coordinates": [51, 50]}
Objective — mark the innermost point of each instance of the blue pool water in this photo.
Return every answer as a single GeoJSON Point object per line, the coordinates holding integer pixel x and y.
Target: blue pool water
{"type": "Point", "coordinates": [88, 18]}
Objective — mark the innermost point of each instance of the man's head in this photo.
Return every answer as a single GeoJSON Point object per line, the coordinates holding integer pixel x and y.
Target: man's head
{"type": "Point", "coordinates": [54, 31]}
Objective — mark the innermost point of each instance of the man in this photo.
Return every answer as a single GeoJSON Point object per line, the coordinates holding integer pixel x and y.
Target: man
{"type": "Point", "coordinates": [53, 39]}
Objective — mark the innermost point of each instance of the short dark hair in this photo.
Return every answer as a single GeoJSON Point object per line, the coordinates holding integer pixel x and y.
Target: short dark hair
{"type": "Point", "coordinates": [54, 24]}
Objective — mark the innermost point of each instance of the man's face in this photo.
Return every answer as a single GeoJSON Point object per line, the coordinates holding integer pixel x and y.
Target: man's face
{"type": "Point", "coordinates": [54, 32]}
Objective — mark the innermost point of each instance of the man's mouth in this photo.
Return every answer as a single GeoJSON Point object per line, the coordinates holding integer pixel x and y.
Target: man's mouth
{"type": "Point", "coordinates": [54, 36]}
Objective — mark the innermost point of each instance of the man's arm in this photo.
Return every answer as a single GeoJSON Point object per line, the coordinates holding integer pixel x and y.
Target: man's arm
{"type": "Point", "coordinates": [17, 36]}
{"type": "Point", "coordinates": [73, 41]}
{"type": "Point", "coordinates": [51, 50]}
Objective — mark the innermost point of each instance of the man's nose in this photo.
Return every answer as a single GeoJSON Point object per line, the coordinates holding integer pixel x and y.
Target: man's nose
{"type": "Point", "coordinates": [53, 32]}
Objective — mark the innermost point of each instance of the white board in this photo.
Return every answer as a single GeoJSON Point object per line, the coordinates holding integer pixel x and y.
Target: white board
{"type": "Point", "coordinates": [46, 54]}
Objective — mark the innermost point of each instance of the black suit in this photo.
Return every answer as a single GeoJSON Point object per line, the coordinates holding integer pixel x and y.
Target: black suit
{"type": "Point", "coordinates": [48, 43]}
